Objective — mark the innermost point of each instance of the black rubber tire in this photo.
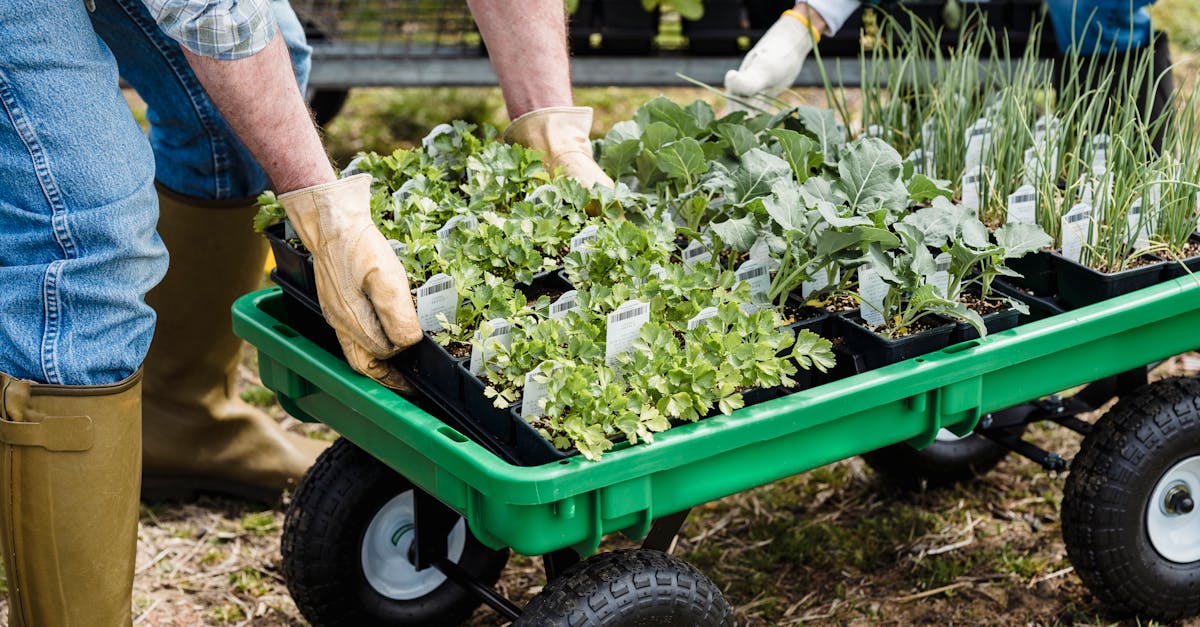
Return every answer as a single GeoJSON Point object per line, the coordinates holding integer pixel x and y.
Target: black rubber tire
{"type": "Point", "coordinates": [1106, 497]}
{"type": "Point", "coordinates": [938, 465]}
{"type": "Point", "coordinates": [639, 587]}
{"type": "Point", "coordinates": [321, 544]}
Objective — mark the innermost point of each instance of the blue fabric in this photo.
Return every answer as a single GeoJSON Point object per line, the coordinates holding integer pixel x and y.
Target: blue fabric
{"type": "Point", "coordinates": [195, 151]}
{"type": "Point", "coordinates": [78, 248]}
{"type": "Point", "coordinates": [1100, 26]}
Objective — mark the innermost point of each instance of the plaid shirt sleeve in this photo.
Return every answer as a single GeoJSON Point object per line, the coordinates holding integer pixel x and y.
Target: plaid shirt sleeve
{"type": "Point", "coordinates": [218, 29]}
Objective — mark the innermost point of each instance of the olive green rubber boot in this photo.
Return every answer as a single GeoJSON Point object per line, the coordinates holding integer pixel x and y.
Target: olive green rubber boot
{"type": "Point", "coordinates": [70, 460]}
{"type": "Point", "coordinates": [198, 435]}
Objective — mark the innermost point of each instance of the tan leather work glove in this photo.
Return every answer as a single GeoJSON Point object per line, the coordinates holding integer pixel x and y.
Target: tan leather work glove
{"type": "Point", "coordinates": [361, 284]}
{"type": "Point", "coordinates": [562, 134]}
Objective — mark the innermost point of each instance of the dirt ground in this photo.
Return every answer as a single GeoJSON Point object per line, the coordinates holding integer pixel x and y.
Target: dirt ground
{"type": "Point", "coordinates": [834, 545]}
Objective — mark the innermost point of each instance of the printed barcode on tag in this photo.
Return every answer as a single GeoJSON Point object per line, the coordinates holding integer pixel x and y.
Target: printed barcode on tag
{"type": "Point", "coordinates": [1078, 217]}
{"type": "Point", "coordinates": [971, 179]}
{"type": "Point", "coordinates": [752, 273]}
{"type": "Point", "coordinates": [694, 252]}
{"type": "Point", "coordinates": [430, 289]}
{"type": "Point", "coordinates": [1024, 198]}
{"type": "Point", "coordinates": [561, 306]}
{"type": "Point", "coordinates": [620, 316]}
{"type": "Point", "coordinates": [505, 330]}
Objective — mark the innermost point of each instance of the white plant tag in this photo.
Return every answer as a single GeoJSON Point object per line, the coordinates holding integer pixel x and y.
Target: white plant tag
{"type": "Point", "coordinates": [749, 308]}
{"type": "Point", "coordinates": [623, 327]}
{"type": "Point", "coordinates": [979, 140]}
{"type": "Point", "coordinates": [535, 390]}
{"type": "Point", "coordinates": [436, 296]}
{"type": "Point", "coordinates": [702, 317]}
{"type": "Point", "coordinates": [1076, 229]}
{"type": "Point", "coordinates": [1045, 130]}
{"type": "Point", "coordinates": [461, 221]}
{"type": "Point", "coordinates": [917, 158]}
{"type": "Point", "coordinates": [940, 279]}
{"type": "Point", "coordinates": [1022, 205]}
{"type": "Point", "coordinates": [695, 253]}
{"type": "Point", "coordinates": [875, 130]}
{"type": "Point", "coordinates": [585, 235]}
{"type": "Point", "coordinates": [483, 348]}
{"type": "Point", "coordinates": [1033, 166]}
{"type": "Point", "coordinates": [398, 247]}
{"type": "Point", "coordinates": [757, 275]}
{"type": "Point", "coordinates": [289, 233]}
{"type": "Point", "coordinates": [872, 292]}
{"type": "Point", "coordinates": [658, 271]}
{"type": "Point", "coordinates": [971, 189]}
{"type": "Point", "coordinates": [819, 281]}
{"type": "Point", "coordinates": [1100, 154]}
{"type": "Point", "coordinates": [1136, 225]}
{"type": "Point", "coordinates": [564, 305]}
{"type": "Point", "coordinates": [761, 250]}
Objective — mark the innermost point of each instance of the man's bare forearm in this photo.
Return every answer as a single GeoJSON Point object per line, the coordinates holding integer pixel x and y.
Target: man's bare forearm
{"type": "Point", "coordinates": [259, 98]}
{"type": "Point", "coordinates": [527, 42]}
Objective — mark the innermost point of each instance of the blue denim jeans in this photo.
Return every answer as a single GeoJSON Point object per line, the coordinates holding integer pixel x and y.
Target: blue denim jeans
{"type": "Point", "coordinates": [78, 249]}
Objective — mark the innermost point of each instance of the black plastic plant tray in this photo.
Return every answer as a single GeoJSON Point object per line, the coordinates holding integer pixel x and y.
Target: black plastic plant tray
{"type": "Point", "coordinates": [295, 266]}
{"type": "Point", "coordinates": [1039, 306]}
{"type": "Point", "coordinates": [876, 351]}
{"type": "Point", "coordinates": [1079, 285]}
{"type": "Point", "coordinates": [993, 322]}
{"type": "Point", "coordinates": [1188, 265]}
{"type": "Point", "coordinates": [1037, 273]}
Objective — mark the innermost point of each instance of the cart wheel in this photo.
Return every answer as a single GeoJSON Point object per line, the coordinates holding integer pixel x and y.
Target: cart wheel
{"type": "Point", "coordinates": [1129, 515]}
{"type": "Point", "coordinates": [948, 460]}
{"type": "Point", "coordinates": [346, 542]}
{"type": "Point", "coordinates": [630, 587]}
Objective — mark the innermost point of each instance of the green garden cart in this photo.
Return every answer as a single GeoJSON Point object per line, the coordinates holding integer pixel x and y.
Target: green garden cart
{"type": "Point", "coordinates": [408, 519]}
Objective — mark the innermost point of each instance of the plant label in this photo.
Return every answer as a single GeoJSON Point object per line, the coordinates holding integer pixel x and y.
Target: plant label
{"type": "Point", "coordinates": [483, 346]}
{"type": "Point", "coordinates": [1033, 167]}
{"type": "Point", "coordinates": [623, 327]}
{"type": "Point", "coordinates": [971, 189]}
{"type": "Point", "coordinates": [564, 305]}
{"type": "Point", "coordinates": [1100, 154]}
{"type": "Point", "coordinates": [701, 318]}
{"type": "Point", "coordinates": [658, 271]}
{"type": "Point", "coordinates": [536, 389]}
{"type": "Point", "coordinates": [761, 251]}
{"type": "Point", "coordinates": [398, 248]}
{"type": "Point", "coordinates": [875, 130]}
{"type": "Point", "coordinates": [872, 294]}
{"type": "Point", "coordinates": [585, 235]}
{"type": "Point", "coordinates": [757, 275]}
{"type": "Point", "coordinates": [820, 280]}
{"type": "Point", "coordinates": [436, 296]}
{"type": "Point", "coordinates": [929, 136]}
{"type": "Point", "coordinates": [289, 233]}
{"type": "Point", "coordinates": [696, 253]}
{"type": "Point", "coordinates": [979, 141]}
{"type": "Point", "coordinates": [1045, 131]}
{"type": "Point", "coordinates": [461, 222]}
{"type": "Point", "coordinates": [749, 308]}
{"type": "Point", "coordinates": [919, 161]}
{"type": "Point", "coordinates": [1076, 230]}
{"type": "Point", "coordinates": [1022, 205]}
{"type": "Point", "coordinates": [940, 279]}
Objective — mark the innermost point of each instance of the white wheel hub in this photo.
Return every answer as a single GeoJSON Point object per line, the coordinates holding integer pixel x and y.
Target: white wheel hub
{"type": "Point", "coordinates": [386, 546]}
{"type": "Point", "coordinates": [1174, 529]}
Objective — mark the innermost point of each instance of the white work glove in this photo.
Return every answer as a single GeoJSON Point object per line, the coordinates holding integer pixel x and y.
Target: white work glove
{"type": "Point", "coordinates": [361, 284]}
{"type": "Point", "coordinates": [772, 64]}
{"type": "Point", "coordinates": [562, 134]}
